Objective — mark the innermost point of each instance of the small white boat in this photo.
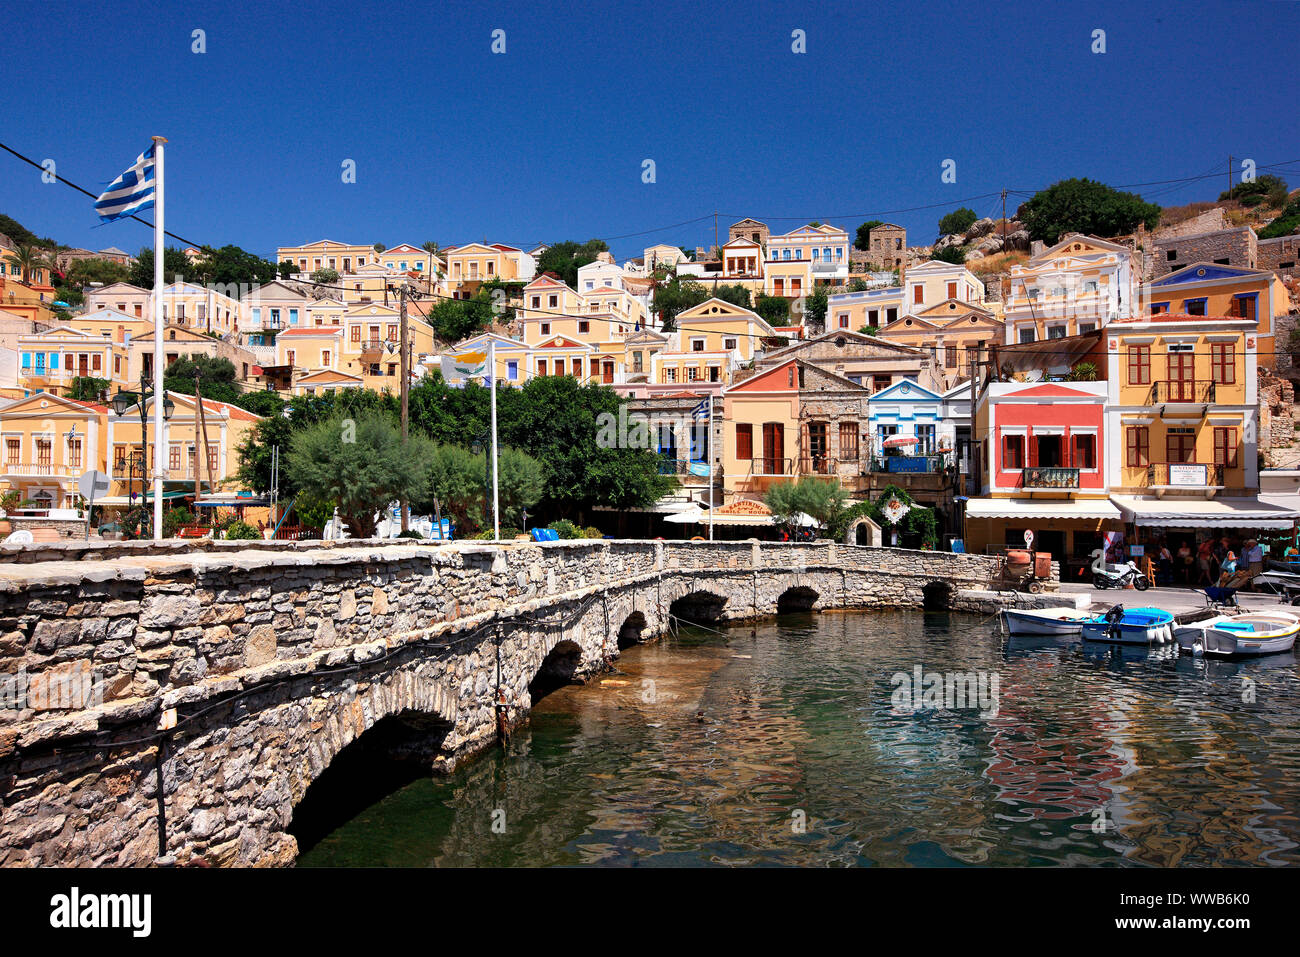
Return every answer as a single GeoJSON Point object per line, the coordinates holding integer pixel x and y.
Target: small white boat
{"type": "Point", "coordinates": [1044, 621]}
{"type": "Point", "coordinates": [1240, 636]}
{"type": "Point", "coordinates": [1130, 626]}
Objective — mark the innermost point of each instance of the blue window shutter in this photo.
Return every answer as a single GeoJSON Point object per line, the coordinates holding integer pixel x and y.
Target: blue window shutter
{"type": "Point", "coordinates": [54, 360]}
{"type": "Point", "coordinates": [27, 360]}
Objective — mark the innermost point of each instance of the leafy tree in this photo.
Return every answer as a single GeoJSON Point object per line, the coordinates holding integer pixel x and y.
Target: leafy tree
{"type": "Point", "coordinates": [958, 221]}
{"type": "Point", "coordinates": [821, 499]}
{"type": "Point", "coordinates": [286, 268]}
{"type": "Point", "coordinates": [430, 246]}
{"type": "Point", "coordinates": [232, 266]}
{"type": "Point", "coordinates": [457, 319]}
{"type": "Point", "coordinates": [261, 402]}
{"type": "Point", "coordinates": [863, 240]}
{"type": "Point", "coordinates": [950, 254]}
{"type": "Point", "coordinates": [815, 305]}
{"type": "Point", "coordinates": [857, 285]}
{"type": "Point", "coordinates": [458, 478]}
{"type": "Point", "coordinates": [564, 259]}
{"type": "Point", "coordinates": [1287, 222]}
{"type": "Point", "coordinates": [361, 465]}
{"type": "Point", "coordinates": [217, 377]}
{"type": "Point", "coordinates": [88, 388]}
{"type": "Point", "coordinates": [676, 296]}
{"type": "Point", "coordinates": [774, 309]}
{"type": "Point", "coordinates": [175, 264]}
{"type": "Point", "coordinates": [82, 272]}
{"type": "Point", "coordinates": [28, 259]}
{"type": "Point", "coordinates": [1084, 206]}
{"type": "Point", "coordinates": [325, 276]}
{"type": "Point", "coordinates": [736, 294]}
{"type": "Point", "coordinates": [379, 247]}
{"type": "Point", "coordinates": [1267, 188]}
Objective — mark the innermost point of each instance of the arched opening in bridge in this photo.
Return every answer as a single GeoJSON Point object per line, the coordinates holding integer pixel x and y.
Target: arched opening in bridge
{"type": "Point", "coordinates": [936, 596]}
{"type": "Point", "coordinates": [557, 670]}
{"type": "Point", "coordinates": [630, 632]}
{"type": "Point", "coordinates": [698, 608]}
{"type": "Point", "coordinates": [389, 755]}
{"type": "Point", "coordinates": [799, 598]}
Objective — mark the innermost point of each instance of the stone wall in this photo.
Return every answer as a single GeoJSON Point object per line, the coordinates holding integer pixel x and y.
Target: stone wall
{"type": "Point", "coordinates": [1276, 413]}
{"type": "Point", "coordinates": [1236, 246]}
{"type": "Point", "coordinates": [235, 675]}
{"type": "Point", "coordinates": [1279, 254]}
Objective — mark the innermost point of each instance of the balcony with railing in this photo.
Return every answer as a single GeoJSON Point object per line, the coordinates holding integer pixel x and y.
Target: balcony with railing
{"type": "Point", "coordinates": [38, 469]}
{"type": "Point", "coordinates": [1183, 392]}
{"type": "Point", "coordinates": [1050, 478]}
{"type": "Point", "coordinates": [768, 465]}
{"type": "Point", "coordinates": [908, 464]}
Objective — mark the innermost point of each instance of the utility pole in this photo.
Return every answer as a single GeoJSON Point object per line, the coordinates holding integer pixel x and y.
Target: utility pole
{"type": "Point", "coordinates": [203, 435]}
{"type": "Point", "coordinates": [405, 385]}
{"type": "Point", "coordinates": [1004, 221]}
{"type": "Point", "coordinates": [717, 251]}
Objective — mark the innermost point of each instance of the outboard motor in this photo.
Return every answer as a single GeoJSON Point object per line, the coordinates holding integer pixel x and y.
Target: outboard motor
{"type": "Point", "coordinates": [1113, 618]}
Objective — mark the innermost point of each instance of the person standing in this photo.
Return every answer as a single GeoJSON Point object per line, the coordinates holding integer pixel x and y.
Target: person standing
{"type": "Point", "coordinates": [1204, 559]}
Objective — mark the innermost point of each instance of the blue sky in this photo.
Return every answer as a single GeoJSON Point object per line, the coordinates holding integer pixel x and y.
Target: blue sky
{"type": "Point", "coordinates": [546, 142]}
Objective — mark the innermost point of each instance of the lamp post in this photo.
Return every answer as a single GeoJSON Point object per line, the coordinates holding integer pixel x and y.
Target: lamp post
{"type": "Point", "coordinates": [122, 403]}
{"type": "Point", "coordinates": [483, 444]}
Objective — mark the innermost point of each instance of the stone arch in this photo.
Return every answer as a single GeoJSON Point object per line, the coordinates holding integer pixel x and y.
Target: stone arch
{"type": "Point", "coordinates": [631, 631]}
{"type": "Point", "coordinates": [937, 596]}
{"type": "Point", "coordinates": [863, 531]}
{"type": "Point", "coordinates": [557, 669]}
{"type": "Point", "coordinates": [698, 607]}
{"type": "Point", "coordinates": [377, 737]}
{"type": "Point", "coordinates": [797, 598]}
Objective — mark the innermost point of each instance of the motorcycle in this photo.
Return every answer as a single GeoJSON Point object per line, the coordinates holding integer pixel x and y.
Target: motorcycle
{"type": "Point", "coordinates": [1121, 577]}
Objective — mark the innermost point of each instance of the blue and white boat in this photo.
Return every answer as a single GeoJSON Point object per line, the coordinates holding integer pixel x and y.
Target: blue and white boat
{"type": "Point", "coordinates": [1240, 636]}
{"type": "Point", "coordinates": [1131, 626]}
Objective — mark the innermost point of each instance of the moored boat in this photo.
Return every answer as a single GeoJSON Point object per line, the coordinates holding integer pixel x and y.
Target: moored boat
{"type": "Point", "coordinates": [1240, 636]}
{"type": "Point", "coordinates": [1044, 621]}
{"type": "Point", "coordinates": [1130, 626]}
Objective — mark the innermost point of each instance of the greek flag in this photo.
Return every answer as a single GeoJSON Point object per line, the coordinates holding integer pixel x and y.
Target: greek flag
{"type": "Point", "coordinates": [130, 192]}
{"type": "Point", "coordinates": [701, 411]}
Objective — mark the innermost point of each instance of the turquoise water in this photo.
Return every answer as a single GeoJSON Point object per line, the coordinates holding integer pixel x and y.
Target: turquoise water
{"type": "Point", "coordinates": [784, 745]}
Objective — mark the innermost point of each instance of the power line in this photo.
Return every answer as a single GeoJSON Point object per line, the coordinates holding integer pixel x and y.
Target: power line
{"type": "Point", "coordinates": [86, 192]}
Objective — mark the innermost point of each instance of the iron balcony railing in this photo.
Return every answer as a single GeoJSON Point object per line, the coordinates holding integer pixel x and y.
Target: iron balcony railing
{"type": "Point", "coordinates": [1198, 391]}
{"type": "Point", "coordinates": [771, 465]}
{"type": "Point", "coordinates": [907, 464]}
{"type": "Point", "coordinates": [1184, 475]}
{"type": "Point", "coordinates": [821, 464]}
{"type": "Point", "coordinates": [1049, 477]}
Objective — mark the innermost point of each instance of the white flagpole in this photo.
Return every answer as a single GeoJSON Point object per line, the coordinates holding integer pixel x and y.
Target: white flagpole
{"type": "Point", "coordinates": [708, 444]}
{"type": "Point", "coordinates": [159, 437]}
{"type": "Point", "coordinates": [496, 498]}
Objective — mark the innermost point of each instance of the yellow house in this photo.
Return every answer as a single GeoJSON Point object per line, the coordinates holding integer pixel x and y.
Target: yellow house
{"type": "Point", "coordinates": [1076, 286]}
{"type": "Point", "coordinates": [875, 308]}
{"type": "Point", "coordinates": [324, 381]}
{"type": "Point", "coordinates": [205, 309]}
{"type": "Point", "coordinates": [181, 341]}
{"type": "Point", "coordinates": [709, 343]}
{"type": "Point", "coordinates": [662, 256]}
{"type": "Point", "coordinates": [1213, 289]}
{"type": "Point", "coordinates": [327, 254]}
{"type": "Point", "coordinates": [49, 361]}
{"type": "Point", "coordinates": [220, 430]}
{"type": "Point", "coordinates": [48, 442]}
{"type": "Point", "coordinates": [370, 345]}
{"type": "Point", "coordinates": [825, 248]}
{"type": "Point", "coordinates": [569, 333]}
{"type": "Point", "coordinates": [27, 296]}
{"type": "Point", "coordinates": [405, 258]}
{"type": "Point", "coordinates": [955, 333]}
{"type": "Point", "coordinates": [1183, 393]}
{"type": "Point", "coordinates": [469, 266]}
{"type": "Point", "coordinates": [310, 348]}
{"type": "Point", "coordinates": [760, 442]}
{"type": "Point", "coordinates": [935, 282]}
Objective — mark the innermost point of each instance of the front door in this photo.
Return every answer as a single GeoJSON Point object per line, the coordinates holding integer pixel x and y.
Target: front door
{"type": "Point", "coordinates": [1181, 374]}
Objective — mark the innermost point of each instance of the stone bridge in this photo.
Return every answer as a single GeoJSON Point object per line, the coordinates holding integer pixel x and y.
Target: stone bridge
{"type": "Point", "coordinates": [176, 702]}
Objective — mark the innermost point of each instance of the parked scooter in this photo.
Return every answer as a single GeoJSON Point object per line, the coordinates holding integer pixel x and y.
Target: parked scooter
{"type": "Point", "coordinates": [1119, 577]}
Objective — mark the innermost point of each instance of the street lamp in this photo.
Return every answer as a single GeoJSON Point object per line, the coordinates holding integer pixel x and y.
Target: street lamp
{"type": "Point", "coordinates": [122, 403]}
{"type": "Point", "coordinates": [481, 445]}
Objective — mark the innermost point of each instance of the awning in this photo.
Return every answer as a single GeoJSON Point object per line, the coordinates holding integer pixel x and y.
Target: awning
{"type": "Point", "coordinates": [1227, 513]}
{"type": "Point", "coordinates": [232, 501]}
{"type": "Point", "coordinates": [1090, 509]}
{"type": "Point", "coordinates": [125, 500]}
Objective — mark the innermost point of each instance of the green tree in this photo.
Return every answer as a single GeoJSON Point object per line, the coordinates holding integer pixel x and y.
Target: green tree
{"type": "Point", "coordinates": [814, 307]}
{"type": "Point", "coordinates": [82, 272]}
{"type": "Point", "coordinates": [361, 465]}
{"type": "Point", "coordinates": [217, 377]}
{"type": "Point", "coordinates": [774, 309]}
{"type": "Point", "coordinates": [676, 296]}
{"type": "Point", "coordinates": [1267, 188]}
{"type": "Point", "coordinates": [735, 294]}
{"type": "Point", "coordinates": [455, 487]}
{"type": "Point", "coordinates": [958, 221]}
{"type": "Point", "coordinates": [564, 259]}
{"type": "Point", "coordinates": [949, 254]}
{"type": "Point", "coordinates": [821, 499]}
{"type": "Point", "coordinates": [863, 240]}
{"type": "Point", "coordinates": [20, 234]}
{"type": "Point", "coordinates": [175, 264]}
{"type": "Point", "coordinates": [1287, 222]}
{"type": "Point", "coordinates": [232, 266]}
{"type": "Point", "coordinates": [325, 276]}
{"type": "Point", "coordinates": [88, 388]}
{"type": "Point", "coordinates": [261, 402]}
{"type": "Point", "coordinates": [1084, 206]}
{"type": "Point", "coordinates": [287, 268]}
{"type": "Point", "coordinates": [28, 259]}
{"type": "Point", "coordinates": [457, 319]}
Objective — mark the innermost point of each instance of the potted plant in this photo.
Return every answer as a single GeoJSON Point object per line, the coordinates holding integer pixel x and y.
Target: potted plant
{"type": "Point", "coordinates": [8, 502]}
